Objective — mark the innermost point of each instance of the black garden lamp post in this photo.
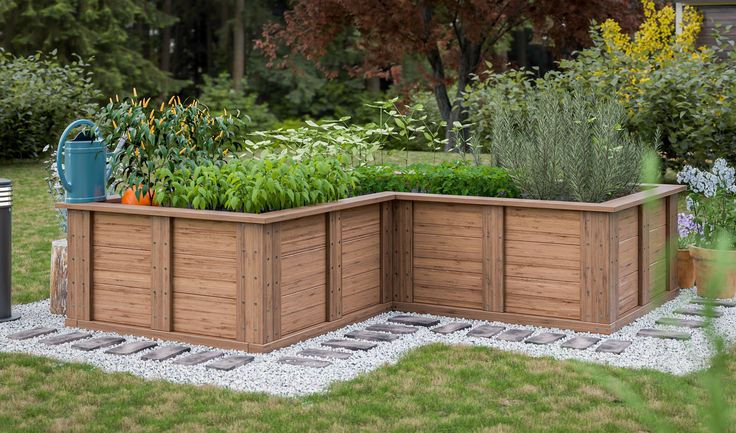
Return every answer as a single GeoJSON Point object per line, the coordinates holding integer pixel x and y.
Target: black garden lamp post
{"type": "Point", "coordinates": [6, 216]}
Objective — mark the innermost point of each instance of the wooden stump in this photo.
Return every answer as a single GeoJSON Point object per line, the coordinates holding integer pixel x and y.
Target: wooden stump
{"type": "Point", "coordinates": [58, 276]}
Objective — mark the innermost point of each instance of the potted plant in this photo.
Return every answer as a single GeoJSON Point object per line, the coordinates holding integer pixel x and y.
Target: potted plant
{"type": "Point", "coordinates": [688, 230]}
{"type": "Point", "coordinates": [167, 136]}
{"type": "Point", "coordinates": [712, 201]}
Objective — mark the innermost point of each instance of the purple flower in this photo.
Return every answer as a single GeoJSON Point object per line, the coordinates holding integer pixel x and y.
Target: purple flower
{"type": "Point", "coordinates": [686, 225]}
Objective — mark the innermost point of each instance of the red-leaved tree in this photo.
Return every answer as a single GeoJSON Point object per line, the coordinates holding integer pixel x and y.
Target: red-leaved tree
{"type": "Point", "coordinates": [454, 36]}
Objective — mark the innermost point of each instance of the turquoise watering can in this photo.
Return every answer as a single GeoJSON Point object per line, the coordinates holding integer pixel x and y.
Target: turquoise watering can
{"type": "Point", "coordinates": [84, 172]}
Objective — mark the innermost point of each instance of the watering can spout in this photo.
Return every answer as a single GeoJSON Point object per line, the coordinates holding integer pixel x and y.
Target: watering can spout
{"type": "Point", "coordinates": [83, 171]}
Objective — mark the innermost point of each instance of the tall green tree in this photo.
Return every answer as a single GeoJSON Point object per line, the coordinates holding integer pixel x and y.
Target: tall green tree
{"type": "Point", "coordinates": [114, 35]}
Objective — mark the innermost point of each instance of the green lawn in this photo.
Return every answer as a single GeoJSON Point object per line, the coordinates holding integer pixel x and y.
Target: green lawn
{"type": "Point", "coordinates": [433, 389]}
{"type": "Point", "coordinates": [34, 227]}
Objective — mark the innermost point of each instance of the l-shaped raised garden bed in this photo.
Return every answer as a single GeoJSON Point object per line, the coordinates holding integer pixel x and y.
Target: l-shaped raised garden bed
{"type": "Point", "coordinates": [261, 282]}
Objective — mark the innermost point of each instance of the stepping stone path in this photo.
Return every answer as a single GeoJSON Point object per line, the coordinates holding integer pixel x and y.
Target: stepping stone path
{"type": "Point", "coordinates": [613, 346]}
{"type": "Point", "coordinates": [350, 344]}
{"type": "Point", "coordinates": [305, 362]}
{"type": "Point", "coordinates": [230, 362]}
{"type": "Point", "coordinates": [372, 336]}
{"type": "Point", "coordinates": [392, 329]}
{"type": "Point", "coordinates": [414, 321]}
{"type": "Point", "coordinates": [31, 333]}
{"type": "Point", "coordinates": [327, 354]}
{"type": "Point", "coordinates": [165, 352]}
{"type": "Point", "coordinates": [580, 342]}
{"type": "Point", "coordinates": [451, 327]}
{"type": "Point", "coordinates": [514, 335]}
{"type": "Point", "coordinates": [663, 333]}
{"type": "Point", "coordinates": [198, 358]}
{"type": "Point", "coordinates": [685, 323]}
{"type": "Point", "coordinates": [97, 343]}
{"type": "Point", "coordinates": [131, 348]}
{"type": "Point", "coordinates": [689, 311]}
{"type": "Point", "coordinates": [485, 331]}
{"type": "Point", "coordinates": [545, 338]}
{"type": "Point", "coordinates": [65, 338]}
{"type": "Point", "coordinates": [716, 302]}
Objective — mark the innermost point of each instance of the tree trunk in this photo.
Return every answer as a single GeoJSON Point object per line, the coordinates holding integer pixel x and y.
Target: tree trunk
{"type": "Point", "coordinates": [469, 61]}
{"type": "Point", "coordinates": [58, 277]}
{"type": "Point", "coordinates": [238, 45]}
{"type": "Point", "coordinates": [165, 59]}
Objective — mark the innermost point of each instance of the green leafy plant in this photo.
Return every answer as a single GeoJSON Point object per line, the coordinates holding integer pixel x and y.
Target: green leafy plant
{"type": "Point", "coordinates": [568, 146]}
{"type": "Point", "coordinates": [255, 185]}
{"type": "Point", "coordinates": [38, 97]}
{"type": "Point", "coordinates": [453, 178]}
{"type": "Point", "coordinates": [712, 201]}
{"type": "Point", "coordinates": [218, 94]}
{"type": "Point", "coordinates": [147, 139]}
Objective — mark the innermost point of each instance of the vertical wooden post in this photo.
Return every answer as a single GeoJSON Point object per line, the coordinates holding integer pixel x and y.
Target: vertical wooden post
{"type": "Point", "coordinates": [404, 250]}
{"type": "Point", "coordinates": [334, 304]}
{"type": "Point", "coordinates": [253, 281]}
{"type": "Point", "coordinates": [241, 274]}
{"type": "Point", "coordinates": [276, 277]}
{"type": "Point", "coordinates": [161, 273]}
{"type": "Point", "coordinates": [598, 267]}
{"type": "Point", "coordinates": [493, 258]}
{"type": "Point", "coordinates": [79, 302]}
{"type": "Point", "coordinates": [268, 286]}
{"type": "Point", "coordinates": [387, 268]}
{"type": "Point", "coordinates": [644, 221]}
{"type": "Point", "coordinates": [671, 242]}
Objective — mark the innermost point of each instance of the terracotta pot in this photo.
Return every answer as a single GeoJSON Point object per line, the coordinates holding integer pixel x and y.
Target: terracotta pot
{"type": "Point", "coordinates": [685, 269]}
{"type": "Point", "coordinates": [129, 197]}
{"type": "Point", "coordinates": [715, 272]}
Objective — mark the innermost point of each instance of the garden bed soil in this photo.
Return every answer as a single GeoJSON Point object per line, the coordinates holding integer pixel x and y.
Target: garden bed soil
{"type": "Point", "coordinates": [258, 282]}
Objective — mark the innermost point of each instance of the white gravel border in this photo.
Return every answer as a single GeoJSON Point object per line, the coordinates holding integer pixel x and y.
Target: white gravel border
{"type": "Point", "coordinates": [264, 374]}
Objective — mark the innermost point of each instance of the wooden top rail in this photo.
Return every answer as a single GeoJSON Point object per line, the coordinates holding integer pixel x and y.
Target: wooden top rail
{"type": "Point", "coordinates": [650, 192]}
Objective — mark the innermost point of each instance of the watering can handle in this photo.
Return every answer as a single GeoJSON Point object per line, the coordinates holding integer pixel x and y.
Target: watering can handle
{"type": "Point", "coordinates": [60, 149]}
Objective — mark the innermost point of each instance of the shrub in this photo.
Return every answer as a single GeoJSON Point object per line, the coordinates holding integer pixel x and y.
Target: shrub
{"type": "Point", "coordinates": [218, 94]}
{"type": "Point", "coordinates": [453, 178]}
{"type": "Point", "coordinates": [148, 139]}
{"type": "Point", "coordinates": [254, 185]}
{"type": "Point", "coordinates": [38, 98]}
{"type": "Point", "coordinates": [568, 146]}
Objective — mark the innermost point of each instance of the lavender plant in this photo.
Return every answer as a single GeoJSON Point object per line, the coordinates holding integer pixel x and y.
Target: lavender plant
{"type": "Point", "coordinates": [712, 202]}
{"type": "Point", "coordinates": [688, 231]}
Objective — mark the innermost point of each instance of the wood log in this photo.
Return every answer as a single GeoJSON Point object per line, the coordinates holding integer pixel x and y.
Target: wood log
{"type": "Point", "coordinates": [58, 276]}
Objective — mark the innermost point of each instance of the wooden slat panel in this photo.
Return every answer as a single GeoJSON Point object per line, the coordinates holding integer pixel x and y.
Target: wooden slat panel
{"type": "Point", "coordinates": [440, 264]}
{"type": "Point", "coordinates": [205, 238]}
{"type": "Point", "coordinates": [305, 318]}
{"type": "Point", "coordinates": [516, 286]}
{"type": "Point", "coordinates": [628, 297]}
{"type": "Point", "coordinates": [361, 222]}
{"type": "Point", "coordinates": [161, 289]}
{"type": "Point", "coordinates": [80, 275]}
{"type": "Point", "coordinates": [458, 247]}
{"type": "Point", "coordinates": [361, 255]}
{"type": "Point", "coordinates": [545, 221]}
{"type": "Point", "coordinates": [306, 269]}
{"type": "Point", "coordinates": [204, 315]}
{"type": "Point", "coordinates": [86, 265]}
{"type": "Point", "coordinates": [448, 279]}
{"type": "Point", "coordinates": [628, 224]}
{"type": "Point", "coordinates": [542, 254]}
{"type": "Point", "coordinates": [550, 238]}
{"type": "Point", "coordinates": [438, 294]}
{"type": "Point", "coordinates": [628, 256]}
{"type": "Point", "coordinates": [124, 305]}
{"type": "Point", "coordinates": [657, 243]}
{"type": "Point", "coordinates": [117, 259]}
{"type": "Point", "coordinates": [122, 279]}
{"type": "Point", "coordinates": [543, 306]}
{"type": "Point", "coordinates": [303, 234]}
{"type": "Point", "coordinates": [360, 300]}
{"type": "Point", "coordinates": [387, 268]}
{"type": "Point", "coordinates": [448, 215]}
{"type": "Point", "coordinates": [658, 217]}
{"type": "Point", "coordinates": [302, 300]}
{"type": "Point", "coordinates": [560, 274]}
{"type": "Point", "coordinates": [334, 290]}
{"type": "Point", "coordinates": [658, 278]}
{"type": "Point", "coordinates": [122, 231]}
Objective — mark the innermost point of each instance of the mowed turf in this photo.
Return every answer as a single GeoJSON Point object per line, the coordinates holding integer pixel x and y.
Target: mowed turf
{"type": "Point", "coordinates": [35, 226]}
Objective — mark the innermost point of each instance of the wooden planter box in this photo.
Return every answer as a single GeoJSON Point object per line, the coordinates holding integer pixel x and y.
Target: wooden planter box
{"type": "Point", "coordinates": [261, 282]}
